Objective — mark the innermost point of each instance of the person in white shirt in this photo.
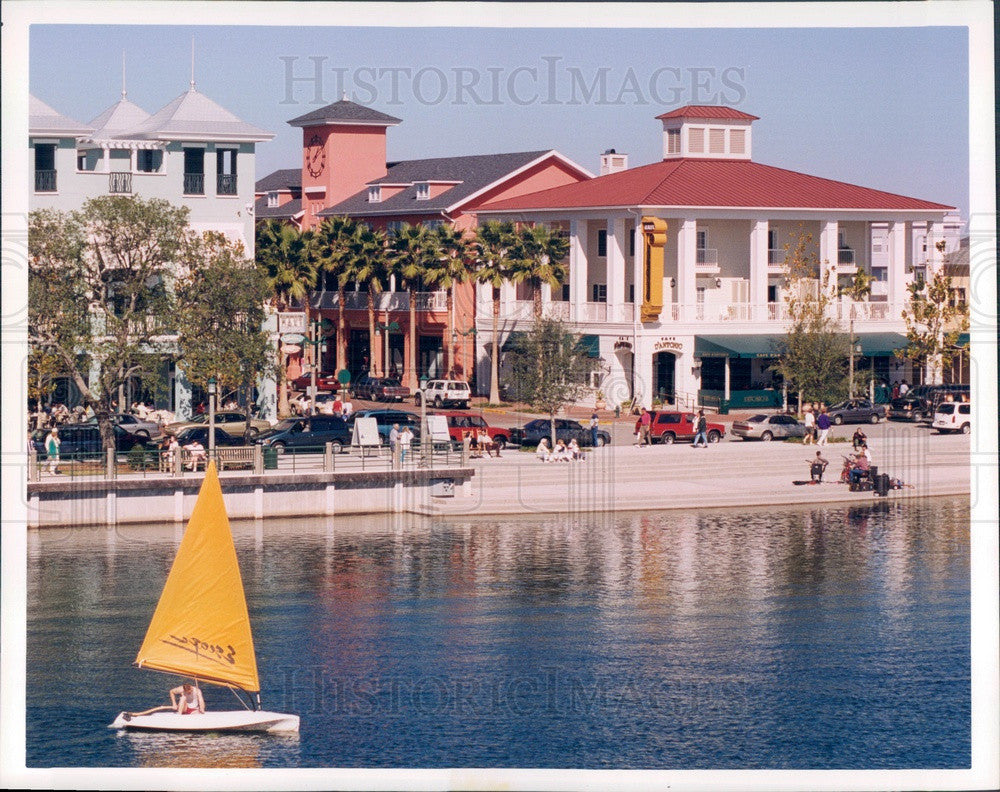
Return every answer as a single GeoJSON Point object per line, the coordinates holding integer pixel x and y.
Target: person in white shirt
{"type": "Point", "coordinates": [542, 451]}
{"type": "Point", "coordinates": [405, 438]}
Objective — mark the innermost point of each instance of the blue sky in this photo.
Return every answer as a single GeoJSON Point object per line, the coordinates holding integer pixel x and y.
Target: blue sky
{"type": "Point", "coordinates": [882, 107]}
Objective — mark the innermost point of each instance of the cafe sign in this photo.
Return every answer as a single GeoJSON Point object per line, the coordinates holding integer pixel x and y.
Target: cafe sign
{"type": "Point", "coordinates": [667, 343]}
{"type": "Point", "coordinates": [623, 344]}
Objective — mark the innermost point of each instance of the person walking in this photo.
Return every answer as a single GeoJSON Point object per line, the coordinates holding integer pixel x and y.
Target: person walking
{"type": "Point", "coordinates": [405, 438]}
{"type": "Point", "coordinates": [645, 420]}
{"type": "Point", "coordinates": [809, 419]}
{"type": "Point", "coordinates": [823, 424]}
{"type": "Point", "coordinates": [593, 430]}
{"type": "Point", "coordinates": [700, 431]}
{"type": "Point", "coordinates": [52, 443]}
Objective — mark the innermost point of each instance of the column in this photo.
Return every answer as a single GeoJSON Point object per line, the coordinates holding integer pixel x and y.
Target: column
{"type": "Point", "coordinates": [546, 290]}
{"type": "Point", "coordinates": [828, 253]}
{"type": "Point", "coordinates": [935, 234]}
{"type": "Point", "coordinates": [758, 270]}
{"type": "Point", "coordinates": [687, 258]}
{"type": "Point", "coordinates": [897, 266]}
{"type": "Point", "coordinates": [637, 265]}
{"type": "Point", "coordinates": [616, 267]}
{"type": "Point", "coordinates": [725, 387]}
{"type": "Point", "coordinates": [577, 269]}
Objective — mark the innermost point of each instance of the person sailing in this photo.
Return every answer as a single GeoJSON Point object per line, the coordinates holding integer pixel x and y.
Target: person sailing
{"type": "Point", "coordinates": [188, 699]}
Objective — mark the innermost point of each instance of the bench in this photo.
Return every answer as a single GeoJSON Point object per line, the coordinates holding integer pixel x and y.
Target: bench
{"type": "Point", "coordinates": [238, 456]}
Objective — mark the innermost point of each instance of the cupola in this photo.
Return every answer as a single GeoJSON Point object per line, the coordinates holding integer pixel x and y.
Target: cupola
{"type": "Point", "coordinates": [706, 132]}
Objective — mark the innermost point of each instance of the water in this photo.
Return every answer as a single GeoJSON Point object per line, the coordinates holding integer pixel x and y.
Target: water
{"type": "Point", "coordinates": [807, 638]}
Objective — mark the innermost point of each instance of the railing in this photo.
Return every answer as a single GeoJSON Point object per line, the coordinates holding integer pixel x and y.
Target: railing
{"type": "Point", "coordinates": [45, 181]}
{"type": "Point", "coordinates": [775, 257]}
{"type": "Point", "coordinates": [385, 301]}
{"type": "Point", "coordinates": [431, 301]}
{"type": "Point", "coordinates": [558, 309]}
{"type": "Point", "coordinates": [709, 256]}
{"type": "Point", "coordinates": [225, 184]}
{"type": "Point", "coordinates": [194, 183]}
{"type": "Point", "coordinates": [593, 312]}
{"type": "Point", "coordinates": [845, 256]}
{"type": "Point", "coordinates": [119, 182]}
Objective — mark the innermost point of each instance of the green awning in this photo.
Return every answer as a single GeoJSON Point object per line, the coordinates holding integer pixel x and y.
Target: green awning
{"type": "Point", "coordinates": [737, 346]}
{"type": "Point", "coordinates": [590, 344]}
{"type": "Point", "coordinates": [880, 344]}
{"type": "Point", "coordinates": [963, 340]}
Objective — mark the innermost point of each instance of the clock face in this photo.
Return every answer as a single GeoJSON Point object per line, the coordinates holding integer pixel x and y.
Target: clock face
{"type": "Point", "coordinates": [315, 157]}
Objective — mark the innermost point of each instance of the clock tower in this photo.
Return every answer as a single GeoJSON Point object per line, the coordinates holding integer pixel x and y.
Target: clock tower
{"type": "Point", "coordinates": [343, 148]}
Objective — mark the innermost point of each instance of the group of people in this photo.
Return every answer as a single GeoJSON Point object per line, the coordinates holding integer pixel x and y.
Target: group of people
{"type": "Point", "coordinates": [817, 423]}
{"type": "Point", "coordinates": [401, 439]}
{"type": "Point", "coordinates": [562, 452]}
{"type": "Point", "coordinates": [48, 417]}
{"type": "Point", "coordinates": [303, 405]}
{"type": "Point", "coordinates": [857, 465]}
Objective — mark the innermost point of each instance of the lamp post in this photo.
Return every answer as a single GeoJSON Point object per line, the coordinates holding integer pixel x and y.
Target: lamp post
{"type": "Point", "coordinates": [424, 434]}
{"type": "Point", "coordinates": [211, 415]}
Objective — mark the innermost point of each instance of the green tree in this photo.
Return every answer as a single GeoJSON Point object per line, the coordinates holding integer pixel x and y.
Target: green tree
{"type": "Point", "coordinates": [933, 324]}
{"type": "Point", "coordinates": [550, 369]}
{"type": "Point", "coordinates": [540, 257]}
{"type": "Point", "coordinates": [494, 247]}
{"type": "Point", "coordinates": [857, 290]}
{"type": "Point", "coordinates": [414, 250]}
{"type": "Point", "coordinates": [333, 244]}
{"type": "Point", "coordinates": [370, 264]}
{"type": "Point", "coordinates": [450, 267]}
{"type": "Point", "coordinates": [220, 318]}
{"type": "Point", "coordinates": [100, 291]}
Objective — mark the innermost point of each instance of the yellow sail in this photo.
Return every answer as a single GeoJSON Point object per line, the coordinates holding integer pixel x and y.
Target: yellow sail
{"type": "Point", "coordinates": [201, 627]}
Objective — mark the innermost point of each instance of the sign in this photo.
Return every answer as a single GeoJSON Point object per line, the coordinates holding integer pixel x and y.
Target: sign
{"type": "Point", "coordinates": [365, 433]}
{"type": "Point", "coordinates": [344, 377]}
{"type": "Point", "coordinates": [626, 345]}
{"type": "Point", "coordinates": [292, 322]}
{"type": "Point", "coordinates": [437, 428]}
{"type": "Point", "coordinates": [668, 343]}
{"type": "Point", "coordinates": [293, 338]}
{"type": "Point", "coordinates": [291, 349]}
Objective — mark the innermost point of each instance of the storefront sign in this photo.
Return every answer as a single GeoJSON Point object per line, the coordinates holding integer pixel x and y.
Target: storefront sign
{"type": "Point", "coordinates": [293, 338]}
{"type": "Point", "coordinates": [291, 349]}
{"type": "Point", "coordinates": [670, 343]}
{"type": "Point", "coordinates": [292, 322]}
{"type": "Point", "coordinates": [623, 344]}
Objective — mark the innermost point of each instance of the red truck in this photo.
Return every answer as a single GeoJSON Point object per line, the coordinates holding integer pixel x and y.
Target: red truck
{"type": "Point", "coordinates": [324, 382]}
{"type": "Point", "coordinates": [667, 427]}
{"type": "Point", "coordinates": [461, 422]}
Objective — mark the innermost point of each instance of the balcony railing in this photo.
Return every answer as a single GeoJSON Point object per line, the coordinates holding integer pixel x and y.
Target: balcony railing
{"type": "Point", "coordinates": [845, 256]}
{"type": "Point", "coordinates": [558, 309]}
{"type": "Point", "coordinates": [225, 184]}
{"type": "Point", "coordinates": [119, 182]}
{"type": "Point", "coordinates": [194, 183]}
{"type": "Point", "coordinates": [707, 256]}
{"type": "Point", "coordinates": [45, 181]}
{"type": "Point", "coordinates": [386, 301]}
{"type": "Point", "coordinates": [775, 257]}
{"type": "Point", "coordinates": [593, 312]}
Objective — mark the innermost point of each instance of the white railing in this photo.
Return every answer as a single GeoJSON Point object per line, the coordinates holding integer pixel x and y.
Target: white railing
{"type": "Point", "coordinates": [431, 301]}
{"type": "Point", "coordinates": [708, 256]}
{"type": "Point", "coordinates": [845, 256]}
{"type": "Point", "coordinates": [385, 301]}
{"type": "Point", "coordinates": [558, 309]}
{"type": "Point", "coordinates": [593, 312]}
{"type": "Point", "coordinates": [775, 257]}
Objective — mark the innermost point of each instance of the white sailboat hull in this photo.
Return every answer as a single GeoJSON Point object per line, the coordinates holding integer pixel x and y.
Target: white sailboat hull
{"type": "Point", "coordinates": [231, 721]}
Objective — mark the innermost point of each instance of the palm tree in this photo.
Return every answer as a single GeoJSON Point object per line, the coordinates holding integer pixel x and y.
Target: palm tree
{"type": "Point", "coordinates": [540, 259]}
{"type": "Point", "coordinates": [449, 267]}
{"type": "Point", "coordinates": [282, 252]}
{"type": "Point", "coordinates": [370, 263]}
{"type": "Point", "coordinates": [333, 241]}
{"type": "Point", "coordinates": [495, 244]}
{"type": "Point", "coordinates": [415, 248]}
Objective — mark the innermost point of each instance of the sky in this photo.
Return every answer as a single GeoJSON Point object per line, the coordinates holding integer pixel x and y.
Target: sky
{"type": "Point", "coordinates": [881, 107]}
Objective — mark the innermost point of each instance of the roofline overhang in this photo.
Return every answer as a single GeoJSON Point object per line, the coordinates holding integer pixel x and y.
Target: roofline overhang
{"type": "Point", "coordinates": [334, 122]}
{"type": "Point", "coordinates": [229, 138]}
{"type": "Point", "coordinates": [38, 132]}
{"type": "Point", "coordinates": [391, 212]}
{"type": "Point", "coordinates": [689, 208]}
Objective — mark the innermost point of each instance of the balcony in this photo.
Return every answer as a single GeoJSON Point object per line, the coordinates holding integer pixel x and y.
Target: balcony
{"type": "Point", "coordinates": [225, 184]}
{"type": "Point", "coordinates": [706, 261]}
{"type": "Point", "coordinates": [119, 182]}
{"type": "Point", "coordinates": [386, 301]}
{"type": "Point", "coordinates": [194, 183]}
{"type": "Point", "coordinates": [45, 181]}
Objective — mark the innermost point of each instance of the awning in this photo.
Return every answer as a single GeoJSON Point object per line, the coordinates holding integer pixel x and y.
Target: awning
{"type": "Point", "coordinates": [738, 346]}
{"type": "Point", "coordinates": [590, 344]}
{"type": "Point", "coordinates": [880, 344]}
{"type": "Point", "coordinates": [963, 340]}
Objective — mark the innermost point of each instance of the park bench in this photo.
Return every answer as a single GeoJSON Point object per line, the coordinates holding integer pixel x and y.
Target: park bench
{"type": "Point", "coordinates": [238, 456]}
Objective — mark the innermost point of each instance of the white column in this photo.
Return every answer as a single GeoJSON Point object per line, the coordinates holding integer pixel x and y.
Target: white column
{"type": "Point", "coordinates": [577, 268]}
{"type": "Point", "coordinates": [546, 297]}
{"type": "Point", "coordinates": [935, 234]}
{"type": "Point", "coordinates": [637, 265]}
{"type": "Point", "coordinates": [106, 154]}
{"type": "Point", "coordinates": [828, 253]}
{"type": "Point", "coordinates": [725, 387]}
{"type": "Point", "coordinates": [687, 258]}
{"type": "Point", "coordinates": [897, 265]}
{"type": "Point", "coordinates": [616, 267]}
{"type": "Point", "coordinates": [758, 270]}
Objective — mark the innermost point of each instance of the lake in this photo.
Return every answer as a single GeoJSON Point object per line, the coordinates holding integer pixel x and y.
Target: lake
{"type": "Point", "coordinates": [834, 637]}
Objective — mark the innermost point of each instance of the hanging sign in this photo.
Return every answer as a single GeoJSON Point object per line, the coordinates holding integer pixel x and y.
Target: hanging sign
{"type": "Point", "coordinates": [291, 349]}
{"type": "Point", "coordinates": [293, 338]}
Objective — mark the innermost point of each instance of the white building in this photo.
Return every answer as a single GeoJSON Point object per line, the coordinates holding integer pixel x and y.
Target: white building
{"type": "Point", "coordinates": [192, 153]}
{"type": "Point", "coordinates": [704, 326]}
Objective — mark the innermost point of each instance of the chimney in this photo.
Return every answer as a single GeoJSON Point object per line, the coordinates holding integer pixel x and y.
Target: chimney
{"type": "Point", "coordinates": [612, 162]}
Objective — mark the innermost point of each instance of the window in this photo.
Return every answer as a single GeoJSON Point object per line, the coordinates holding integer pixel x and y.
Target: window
{"type": "Point", "coordinates": [392, 227]}
{"type": "Point", "coordinates": [272, 199]}
{"type": "Point", "coordinates": [45, 167]}
{"type": "Point", "coordinates": [631, 292]}
{"type": "Point", "coordinates": [432, 224]}
{"type": "Point", "coordinates": [696, 140]}
{"type": "Point", "coordinates": [602, 243]}
{"type": "Point", "coordinates": [599, 292]}
{"type": "Point", "coordinates": [673, 141]}
{"type": "Point", "coordinates": [717, 141]}
{"type": "Point", "coordinates": [148, 160]}
{"type": "Point", "coordinates": [565, 292]}
{"type": "Point", "coordinates": [702, 240]}
{"type": "Point", "coordinates": [772, 239]}
{"type": "Point", "coordinates": [423, 191]}
{"type": "Point", "coordinates": [737, 141]}
{"type": "Point", "coordinates": [631, 243]}
{"type": "Point", "coordinates": [194, 171]}
{"type": "Point", "coordinates": [375, 193]}
{"type": "Point", "coordinates": [225, 172]}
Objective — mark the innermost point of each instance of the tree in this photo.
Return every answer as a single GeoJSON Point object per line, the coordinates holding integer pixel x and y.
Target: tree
{"type": "Point", "coordinates": [857, 290]}
{"type": "Point", "coordinates": [813, 355]}
{"type": "Point", "coordinates": [369, 263]}
{"type": "Point", "coordinates": [100, 291]}
{"type": "Point", "coordinates": [933, 324]}
{"type": "Point", "coordinates": [494, 246]}
{"type": "Point", "coordinates": [220, 318]}
{"type": "Point", "coordinates": [550, 368]}
{"type": "Point", "coordinates": [289, 267]}
{"type": "Point", "coordinates": [450, 267]}
{"type": "Point", "coordinates": [539, 259]}
{"type": "Point", "coordinates": [333, 244]}
{"type": "Point", "coordinates": [414, 249]}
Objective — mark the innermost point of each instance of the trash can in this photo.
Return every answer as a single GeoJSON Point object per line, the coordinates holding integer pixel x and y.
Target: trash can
{"type": "Point", "coordinates": [270, 458]}
{"type": "Point", "coordinates": [723, 407]}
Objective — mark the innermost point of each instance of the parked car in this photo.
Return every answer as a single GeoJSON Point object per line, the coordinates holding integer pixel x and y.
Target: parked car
{"type": "Point", "coordinates": [667, 427]}
{"type": "Point", "coordinates": [566, 430]}
{"type": "Point", "coordinates": [769, 427]}
{"type": "Point", "coordinates": [920, 402]}
{"type": "Point", "coordinates": [133, 424]}
{"type": "Point", "coordinates": [461, 422]}
{"type": "Point", "coordinates": [233, 421]}
{"type": "Point", "coordinates": [84, 440]}
{"type": "Point", "coordinates": [200, 433]}
{"type": "Point", "coordinates": [380, 389]}
{"type": "Point", "coordinates": [953, 417]}
{"type": "Point", "coordinates": [307, 435]}
{"type": "Point", "coordinates": [446, 393]}
{"type": "Point", "coordinates": [324, 382]}
{"type": "Point", "coordinates": [856, 411]}
{"type": "Point", "coordinates": [384, 419]}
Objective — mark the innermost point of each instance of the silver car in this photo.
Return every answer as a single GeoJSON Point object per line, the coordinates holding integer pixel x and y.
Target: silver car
{"type": "Point", "coordinates": [769, 427]}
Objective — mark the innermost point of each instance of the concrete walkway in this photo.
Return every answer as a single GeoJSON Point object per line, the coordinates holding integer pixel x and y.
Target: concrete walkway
{"type": "Point", "coordinates": [730, 474]}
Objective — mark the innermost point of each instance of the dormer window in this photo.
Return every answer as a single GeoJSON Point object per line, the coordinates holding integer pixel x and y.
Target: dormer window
{"type": "Point", "coordinates": [375, 193]}
{"type": "Point", "coordinates": [716, 140]}
{"type": "Point", "coordinates": [696, 140]}
{"type": "Point", "coordinates": [272, 199]}
{"type": "Point", "coordinates": [737, 141]}
{"type": "Point", "coordinates": [673, 141]}
{"type": "Point", "coordinates": [423, 191]}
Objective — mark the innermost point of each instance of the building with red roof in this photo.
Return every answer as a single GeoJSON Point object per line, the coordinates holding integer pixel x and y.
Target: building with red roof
{"type": "Point", "coordinates": [708, 323]}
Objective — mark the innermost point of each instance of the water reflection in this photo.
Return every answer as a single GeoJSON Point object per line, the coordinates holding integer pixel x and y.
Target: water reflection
{"type": "Point", "coordinates": [798, 638]}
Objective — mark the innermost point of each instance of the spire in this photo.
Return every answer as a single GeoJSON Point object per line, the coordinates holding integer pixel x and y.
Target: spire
{"type": "Point", "coordinates": [124, 92]}
{"type": "Point", "coordinates": [192, 63]}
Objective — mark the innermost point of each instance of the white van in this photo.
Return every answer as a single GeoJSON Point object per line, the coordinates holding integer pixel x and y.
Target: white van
{"type": "Point", "coordinates": [446, 393]}
{"type": "Point", "coordinates": [953, 417]}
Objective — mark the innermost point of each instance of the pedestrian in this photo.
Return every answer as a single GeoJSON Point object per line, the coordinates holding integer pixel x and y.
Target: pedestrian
{"type": "Point", "coordinates": [700, 431]}
{"type": "Point", "coordinates": [405, 439]}
{"type": "Point", "coordinates": [823, 424]}
{"type": "Point", "coordinates": [593, 430]}
{"type": "Point", "coordinates": [393, 437]}
{"type": "Point", "coordinates": [903, 388]}
{"type": "Point", "coordinates": [816, 467]}
{"type": "Point", "coordinates": [895, 389]}
{"type": "Point", "coordinates": [346, 409]}
{"type": "Point", "coordinates": [858, 439]}
{"type": "Point", "coordinates": [645, 420]}
{"type": "Point", "coordinates": [52, 443]}
{"type": "Point", "coordinates": [809, 419]}
{"type": "Point", "coordinates": [542, 451]}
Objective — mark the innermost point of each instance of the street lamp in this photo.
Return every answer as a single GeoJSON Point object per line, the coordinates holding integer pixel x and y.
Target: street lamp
{"type": "Point", "coordinates": [211, 415]}
{"type": "Point", "coordinates": [424, 434]}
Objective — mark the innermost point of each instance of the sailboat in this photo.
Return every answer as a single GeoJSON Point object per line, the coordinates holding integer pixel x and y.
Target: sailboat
{"type": "Point", "coordinates": [201, 628]}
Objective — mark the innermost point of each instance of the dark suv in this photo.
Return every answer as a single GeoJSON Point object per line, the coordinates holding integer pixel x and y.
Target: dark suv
{"type": "Point", "coordinates": [307, 435]}
{"type": "Point", "coordinates": [919, 403]}
{"type": "Point", "coordinates": [84, 440]}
